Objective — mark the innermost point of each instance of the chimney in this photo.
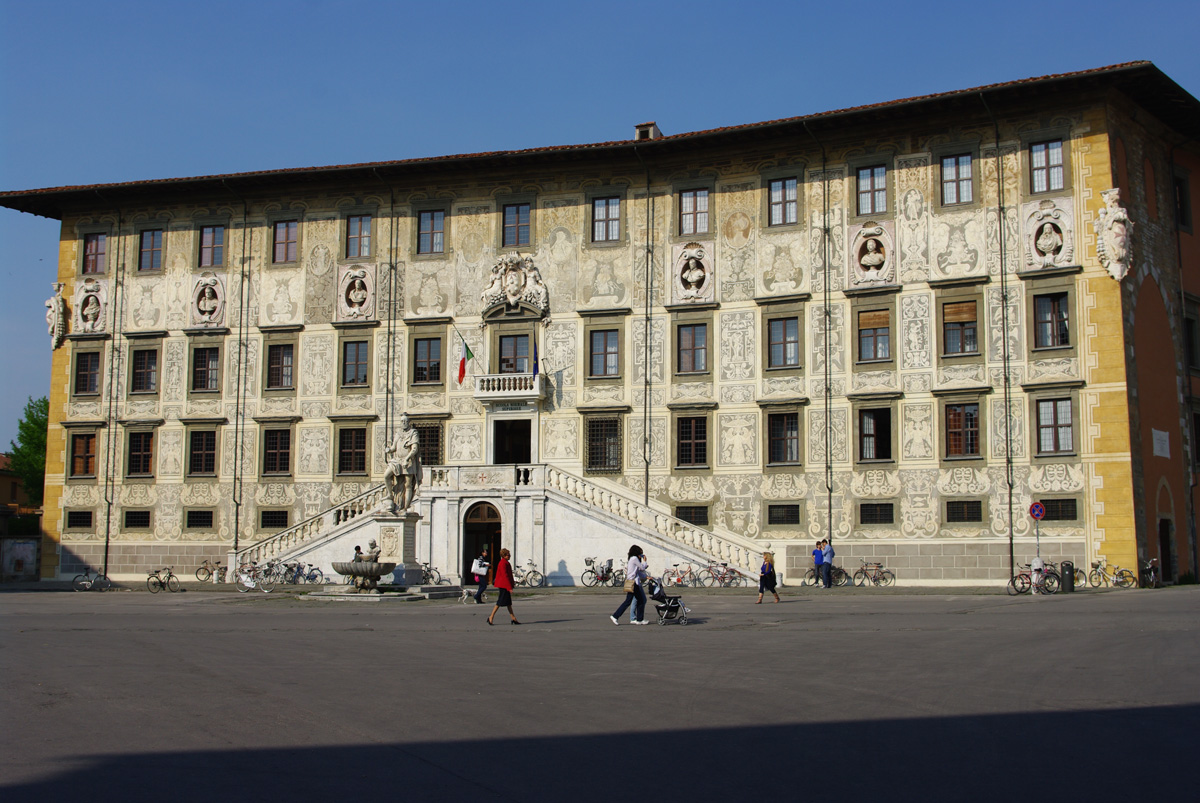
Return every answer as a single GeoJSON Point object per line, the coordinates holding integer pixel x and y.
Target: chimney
{"type": "Point", "coordinates": [646, 131]}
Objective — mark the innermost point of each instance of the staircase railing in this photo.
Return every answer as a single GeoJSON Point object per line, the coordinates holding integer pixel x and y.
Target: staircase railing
{"type": "Point", "coordinates": [314, 526]}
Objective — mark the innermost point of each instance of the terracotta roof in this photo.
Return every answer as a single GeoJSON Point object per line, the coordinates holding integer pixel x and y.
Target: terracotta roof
{"type": "Point", "coordinates": [1153, 87]}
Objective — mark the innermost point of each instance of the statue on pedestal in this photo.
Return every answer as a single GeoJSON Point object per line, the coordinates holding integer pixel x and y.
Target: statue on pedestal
{"type": "Point", "coordinates": [403, 474]}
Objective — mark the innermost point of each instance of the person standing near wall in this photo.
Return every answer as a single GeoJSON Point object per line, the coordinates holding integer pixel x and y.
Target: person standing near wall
{"type": "Point", "coordinates": [827, 562]}
{"type": "Point", "coordinates": [818, 559]}
{"type": "Point", "coordinates": [504, 583]}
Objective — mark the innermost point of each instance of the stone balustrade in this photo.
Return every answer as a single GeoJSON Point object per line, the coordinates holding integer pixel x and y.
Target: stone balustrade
{"type": "Point", "coordinates": [510, 387]}
{"type": "Point", "coordinates": [315, 526]}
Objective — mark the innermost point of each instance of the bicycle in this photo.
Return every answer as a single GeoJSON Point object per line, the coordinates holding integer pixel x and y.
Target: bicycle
{"type": "Point", "coordinates": [719, 574]}
{"type": "Point", "coordinates": [431, 576]}
{"type": "Point", "coordinates": [156, 581]}
{"type": "Point", "coordinates": [676, 576]}
{"type": "Point", "coordinates": [837, 576]}
{"type": "Point", "coordinates": [250, 575]}
{"type": "Point", "coordinates": [296, 573]}
{"type": "Point", "coordinates": [208, 569]}
{"type": "Point", "coordinates": [601, 573]}
{"type": "Point", "coordinates": [873, 573]}
{"type": "Point", "coordinates": [91, 582]}
{"type": "Point", "coordinates": [530, 576]}
{"type": "Point", "coordinates": [1151, 577]}
{"type": "Point", "coordinates": [1044, 582]}
{"type": "Point", "coordinates": [1115, 575]}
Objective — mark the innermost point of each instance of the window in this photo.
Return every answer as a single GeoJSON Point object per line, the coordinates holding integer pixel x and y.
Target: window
{"type": "Point", "coordinates": [516, 225]}
{"type": "Point", "coordinates": [872, 190]}
{"type": "Point", "coordinates": [141, 454]}
{"type": "Point", "coordinates": [783, 514]}
{"type": "Point", "coordinates": [962, 430]}
{"type": "Point", "coordinates": [783, 438]}
{"type": "Point", "coordinates": [1196, 439]}
{"type": "Point", "coordinates": [1046, 166]}
{"type": "Point", "coordinates": [87, 372]}
{"type": "Point", "coordinates": [94, 247]}
{"type": "Point", "coordinates": [79, 519]}
{"type": "Point", "coordinates": [354, 363]}
{"type": "Point", "coordinates": [431, 232]}
{"type": "Point", "coordinates": [427, 363]}
{"type": "Point", "coordinates": [603, 454]}
{"type": "Point", "coordinates": [693, 514]}
{"type": "Point", "coordinates": [430, 439]}
{"type": "Point", "coordinates": [137, 519]}
{"type": "Point", "coordinates": [783, 343]}
{"type": "Point", "coordinates": [1054, 426]}
{"type": "Point", "coordinates": [960, 511]}
{"type": "Point", "coordinates": [693, 348]}
{"type": "Point", "coordinates": [693, 212]}
{"type": "Point", "coordinates": [358, 236]}
{"type": "Point", "coordinates": [876, 513]}
{"type": "Point", "coordinates": [606, 220]}
{"type": "Point", "coordinates": [1191, 344]}
{"type": "Point", "coordinates": [692, 442]}
{"type": "Point", "coordinates": [145, 371]}
{"type": "Point", "coordinates": [782, 202]}
{"type": "Point", "coordinates": [1183, 203]}
{"type": "Point", "coordinates": [277, 451]}
{"type": "Point", "coordinates": [605, 357]}
{"type": "Point", "coordinates": [514, 354]}
{"type": "Point", "coordinates": [273, 520]}
{"type": "Point", "coordinates": [875, 434]}
{"type": "Point", "coordinates": [1060, 509]}
{"type": "Point", "coordinates": [959, 328]}
{"type": "Point", "coordinates": [1050, 321]}
{"type": "Point", "coordinates": [285, 241]}
{"type": "Point", "coordinates": [83, 455]}
{"type": "Point", "coordinates": [212, 246]}
{"type": "Point", "coordinates": [279, 366]}
{"type": "Point", "coordinates": [352, 451]}
{"type": "Point", "coordinates": [956, 180]}
{"type": "Point", "coordinates": [206, 368]}
{"type": "Point", "coordinates": [202, 454]}
{"type": "Point", "coordinates": [874, 338]}
{"type": "Point", "coordinates": [199, 520]}
{"type": "Point", "coordinates": [150, 252]}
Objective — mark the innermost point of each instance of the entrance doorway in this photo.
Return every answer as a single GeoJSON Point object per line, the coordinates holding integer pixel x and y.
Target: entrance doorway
{"type": "Point", "coordinates": [481, 528]}
{"type": "Point", "coordinates": [1165, 570]}
{"type": "Point", "coordinates": [511, 441]}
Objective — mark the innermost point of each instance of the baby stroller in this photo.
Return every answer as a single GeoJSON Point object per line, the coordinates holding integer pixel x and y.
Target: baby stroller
{"type": "Point", "coordinates": [668, 607]}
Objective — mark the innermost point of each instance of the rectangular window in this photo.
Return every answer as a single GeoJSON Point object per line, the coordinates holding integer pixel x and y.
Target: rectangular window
{"type": "Point", "coordinates": [87, 372]}
{"type": "Point", "coordinates": [141, 454]}
{"type": "Point", "coordinates": [516, 225]}
{"type": "Point", "coordinates": [277, 451]}
{"type": "Point", "coordinates": [603, 445]}
{"type": "Point", "coordinates": [430, 439]}
{"type": "Point", "coordinates": [783, 514]}
{"type": "Point", "coordinates": [782, 202]}
{"type": "Point", "coordinates": [206, 368]}
{"type": "Point", "coordinates": [693, 514]}
{"type": "Point", "coordinates": [1196, 439]}
{"type": "Point", "coordinates": [874, 336]}
{"type": "Point", "coordinates": [876, 513]}
{"type": "Point", "coordinates": [783, 438]}
{"type": "Point", "coordinates": [83, 455]}
{"type": "Point", "coordinates": [959, 328]}
{"type": "Point", "coordinates": [352, 451]}
{"type": "Point", "coordinates": [1051, 327]}
{"type": "Point", "coordinates": [956, 180]}
{"type": "Point", "coordinates": [354, 363]}
{"type": "Point", "coordinates": [875, 434]}
{"type": "Point", "coordinates": [1054, 426]}
{"type": "Point", "coordinates": [693, 348]}
{"type": "Point", "coordinates": [514, 354]}
{"type": "Point", "coordinates": [1060, 509]}
{"type": "Point", "coordinates": [212, 246]}
{"type": "Point", "coordinates": [94, 248]}
{"type": "Point", "coordinates": [150, 252]}
{"type": "Point", "coordinates": [1183, 203]}
{"type": "Point", "coordinates": [693, 212]}
{"type": "Point", "coordinates": [872, 190]}
{"type": "Point", "coordinates": [358, 236]}
{"type": "Point", "coordinates": [145, 371]}
{"type": "Point", "coordinates": [1046, 166]}
{"type": "Point", "coordinates": [199, 520]}
{"type": "Point", "coordinates": [783, 343]}
{"type": "Point", "coordinates": [285, 241]}
{"type": "Point", "coordinates": [137, 519]}
{"type": "Point", "coordinates": [605, 357]}
{"type": "Point", "coordinates": [431, 232]}
{"type": "Point", "coordinates": [79, 519]}
{"type": "Point", "coordinates": [693, 441]}
{"type": "Point", "coordinates": [202, 453]}
{"type": "Point", "coordinates": [606, 220]}
{"type": "Point", "coordinates": [427, 360]}
{"type": "Point", "coordinates": [1191, 344]}
{"type": "Point", "coordinates": [273, 520]}
{"type": "Point", "coordinates": [961, 511]}
{"type": "Point", "coordinates": [962, 430]}
{"type": "Point", "coordinates": [279, 367]}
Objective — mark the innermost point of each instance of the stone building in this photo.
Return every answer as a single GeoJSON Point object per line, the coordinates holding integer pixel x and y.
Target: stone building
{"type": "Point", "coordinates": [895, 325]}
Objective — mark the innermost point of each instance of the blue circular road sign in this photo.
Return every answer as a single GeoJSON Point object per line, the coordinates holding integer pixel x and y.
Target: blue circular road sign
{"type": "Point", "coordinates": [1037, 510]}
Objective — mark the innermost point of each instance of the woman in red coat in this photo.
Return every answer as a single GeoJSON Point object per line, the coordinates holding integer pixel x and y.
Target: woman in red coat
{"type": "Point", "coordinates": [504, 582]}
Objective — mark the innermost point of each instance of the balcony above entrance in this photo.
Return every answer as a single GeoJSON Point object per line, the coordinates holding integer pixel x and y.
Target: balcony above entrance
{"type": "Point", "coordinates": [493, 388]}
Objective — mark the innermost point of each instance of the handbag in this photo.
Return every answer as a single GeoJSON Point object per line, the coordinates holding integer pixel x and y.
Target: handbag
{"type": "Point", "coordinates": [479, 567]}
{"type": "Point", "coordinates": [630, 584]}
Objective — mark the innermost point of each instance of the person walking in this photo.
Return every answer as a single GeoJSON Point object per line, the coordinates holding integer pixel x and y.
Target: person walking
{"type": "Point", "coordinates": [766, 578]}
{"type": "Point", "coordinates": [818, 559]}
{"type": "Point", "coordinates": [635, 573]}
{"type": "Point", "coordinates": [827, 565]}
{"type": "Point", "coordinates": [481, 577]}
{"type": "Point", "coordinates": [503, 581]}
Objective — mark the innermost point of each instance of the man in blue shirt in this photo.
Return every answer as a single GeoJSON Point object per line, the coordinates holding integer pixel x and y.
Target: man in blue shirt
{"type": "Point", "coordinates": [827, 562]}
{"type": "Point", "coordinates": [818, 559]}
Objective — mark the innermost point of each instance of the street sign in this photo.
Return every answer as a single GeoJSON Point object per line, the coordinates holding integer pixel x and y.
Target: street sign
{"type": "Point", "coordinates": [1038, 511]}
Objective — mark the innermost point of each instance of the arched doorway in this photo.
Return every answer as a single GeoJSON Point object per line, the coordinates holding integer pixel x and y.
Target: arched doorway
{"type": "Point", "coordinates": [480, 528]}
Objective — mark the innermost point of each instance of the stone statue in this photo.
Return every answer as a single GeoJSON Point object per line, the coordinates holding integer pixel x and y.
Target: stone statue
{"type": "Point", "coordinates": [90, 313]}
{"type": "Point", "coordinates": [1113, 229]}
{"type": "Point", "coordinates": [1048, 243]}
{"type": "Point", "coordinates": [403, 474]}
{"type": "Point", "coordinates": [873, 259]}
{"type": "Point", "coordinates": [56, 316]}
{"type": "Point", "coordinates": [693, 275]}
{"type": "Point", "coordinates": [365, 582]}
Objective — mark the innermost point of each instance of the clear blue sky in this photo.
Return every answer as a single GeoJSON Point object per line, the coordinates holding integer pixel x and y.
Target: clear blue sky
{"type": "Point", "coordinates": [94, 92]}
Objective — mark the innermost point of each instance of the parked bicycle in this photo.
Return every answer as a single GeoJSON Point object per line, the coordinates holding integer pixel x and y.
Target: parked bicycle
{"type": "Point", "coordinates": [296, 573]}
{"type": "Point", "coordinates": [837, 576]}
{"type": "Point", "coordinates": [1046, 581]}
{"type": "Point", "coordinates": [208, 569]}
{"type": "Point", "coordinates": [528, 575]}
{"type": "Point", "coordinates": [873, 573]}
{"type": "Point", "coordinates": [601, 574]}
{"type": "Point", "coordinates": [251, 575]}
{"type": "Point", "coordinates": [90, 582]}
{"type": "Point", "coordinates": [1103, 574]}
{"type": "Point", "coordinates": [431, 576]}
{"type": "Point", "coordinates": [679, 576]}
{"type": "Point", "coordinates": [162, 578]}
{"type": "Point", "coordinates": [721, 574]}
{"type": "Point", "coordinates": [1151, 577]}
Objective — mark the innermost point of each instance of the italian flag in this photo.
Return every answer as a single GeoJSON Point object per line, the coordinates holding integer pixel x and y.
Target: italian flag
{"type": "Point", "coordinates": [462, 362]}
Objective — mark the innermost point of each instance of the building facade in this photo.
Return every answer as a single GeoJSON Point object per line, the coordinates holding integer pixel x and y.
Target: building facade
{"type": "Point", "coordinates": [897, 326]}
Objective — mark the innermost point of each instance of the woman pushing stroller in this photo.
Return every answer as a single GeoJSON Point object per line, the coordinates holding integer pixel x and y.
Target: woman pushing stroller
{"type": "Point", "coordinates": [635, 573]}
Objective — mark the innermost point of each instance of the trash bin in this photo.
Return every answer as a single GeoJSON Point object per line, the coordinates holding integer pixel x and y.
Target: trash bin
{"type": "Point", "coordinates": [1068, 576]}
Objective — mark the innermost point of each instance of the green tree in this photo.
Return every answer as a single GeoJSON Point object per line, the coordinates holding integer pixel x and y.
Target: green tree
{"type": "Point", "coordinates": [28, 456]}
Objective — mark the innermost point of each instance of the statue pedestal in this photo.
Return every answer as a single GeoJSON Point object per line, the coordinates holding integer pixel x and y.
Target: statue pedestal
{"type": "Point", "coordinates": [398, 543]}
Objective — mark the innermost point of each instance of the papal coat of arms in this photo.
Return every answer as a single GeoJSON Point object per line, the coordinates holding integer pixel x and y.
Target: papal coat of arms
{"type": "Point", "coordinates": [515, 281]}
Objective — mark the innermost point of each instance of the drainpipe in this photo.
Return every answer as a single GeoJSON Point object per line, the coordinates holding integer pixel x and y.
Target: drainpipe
{"type": "Point", "coordinates": [826, 300]}
{"type": "Point", "coordinates": [646, 384]}
{"type": "Point", "coordinates": [116, 304]}
{"type": "Point", "coordinates": [390, 351]}
{"type": "Point", "coordinates": [239, 420]}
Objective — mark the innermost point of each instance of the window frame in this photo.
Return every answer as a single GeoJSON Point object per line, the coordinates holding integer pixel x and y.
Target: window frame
{"type": "Point", "coordinates": [958, 296]}
{"type": "Point", "coordinates": [957, 181]}
{"type": "Point", "coordinates": [1054, 395]}
{"type": "Point", "coordinates": [433, 234]}
{"type": "Point", "coordinates": [213, 453]}
{"type": "Point", "coordinates": [965, 503]}
{"type": "Point", "coordinates": [1048, 167]}
{"type": "Point", "coordinates": [611, 353]}
{"type": "Point", "coordinates": [890, 357]}
{"type": "Point", "coordinates": [271, 348]}
{"type": "Point", "coordinates": [72, 462]}
{"type": "Point", "coordinates": [424, 426]}
{"type": "Point", "coordinates": [145, 439]}
{"type": "Point", "coordinates": [430, 363]}
{"type": "Point", "coordinates": [99, 257]}
{"type": "Point", "coordinates": [362, 345]}
{"type": "Point", "coordinates": [271, 452]}
{"type": "Point", "coordinates": [872, 408]}
{"type": "Point", "coordinates": [1060, 320]}
{"type": "Point", "coordinates": [430, 332]}
{"type": "Point", "coordinates": [617, 432]}
{"type": "Point", "coordinates": [516, 227]}
{"type": "Point", "coordinates": [879, 505]}
{"type": "Point", "coordinates": [354, 247]}
{"type": "Point", "coordinates": [876, 207]}
{"type": "Point", "coordinates": [769, 438]}
{"type": "Point", "coordinates": [609, 220]}
{"type": "Point", "coordinates": [783, 205]}
{"type": "Point", "coordinates": [678, 424]}
{"type": "Point", "coordinates": [949, 408]}
{"type": "Point", "coordinates": [139, 376]}
{"type": "Point", "coordinates": [1181, 196]}
{"type": "Point", "coordinates": [213, 249]}
{"type": "Point", "coordinates": [157, 249]}
{"type": "Point", "coordinates": [692, 349]}
{"type": "Point", "coordinates": [212, 375]}
{"type": "Point", "coordinates": [294, 250]}
{"type": "Point", "coordinates": [694, 193]}
{"type": "Point", "coordinates": [75, 374]}
{"type": "Point", "coordinates": [1044, 135]}
{"type": "Point", "coordinates": [355, 451]}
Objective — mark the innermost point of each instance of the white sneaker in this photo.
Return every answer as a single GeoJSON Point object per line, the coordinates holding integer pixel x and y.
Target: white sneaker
{"type": "Point", "coordinates": [615, 620]}
{"type": "Point", "coordinates": [641, 622]}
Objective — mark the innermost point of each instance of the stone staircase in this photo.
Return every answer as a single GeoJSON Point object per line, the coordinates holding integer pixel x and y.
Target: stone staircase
{"type": "Point", "coordinates": [323, 525]}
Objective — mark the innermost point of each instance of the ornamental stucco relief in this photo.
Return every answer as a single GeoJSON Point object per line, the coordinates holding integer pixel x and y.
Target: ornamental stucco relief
{"type": "Point", "coordinates": [738, 444]}
{"type": "Point", "coordinates": [791, 486]}
{"type": "Point", "coordinates": [464, 443]}
{"type": "Point", "coordinates": [693, 273]}
{"type": "Point", "coordinates": [56, 316]}
{"type": "Point", "coordinates": [735, 506]}
{"type": "Point", "coordinates": [559, 357]}
{"type": "Point", "coordinates": [1056, 478]}
{"type": "Point", "coordinates": [962, 481]}
{"type": "Point", "coordinates": [145, 303]}
{"type": "Point", "coordinates": [868, 381]}
{"type": "Point", "coordinates": [737, 242]}
{"type": "Point", "coordinates": [870, 249]}
{"type": "Point", "coordinates": [356, 293]}
{"type": "Point", "coordinates": [951, 376]}
{"type": "Point", "coordinates": [208, 301]}
{"type": "Point", "coordinates": [837, 340]}
{"type": "Point", "coordinates": [1003, 425]}
{"type": "Point", "coordinates": [658, 337]}
{"type": "Point", "coordinates": [1049, 233]}
{"type": "Point", "coordinates": [90, 306]}
{"type": "Point", "coordinates": [691, 489]}
{"type": "Point", "coordinates": [782, 386]}
{"type": "Point", "coordinates": [957, 240]}
{"type": "Point", "coordinates": [1114, 231]}
{"type": "Point", "coordinates": [700, 391]}
{"type": "Point", "coordinates": [1060, 368]}
{"type": "Point", "coordinates": [875, 483]}
{"type": "Point", "coordinates": [916, 313]}
{"type": "Point", "coordinates": [428, 297]}
{"type": "Point", "coordinates": [917, 431]}
{"type": "Point", "coordinates": [837, 433]}
{"type": "Point", "coordinates": [560, 439]}
{"type": "Point", "coordinates": [919, 514]}
{"type": "Point", "coordinates": [317, 369]}
{"type": "Point", "coordinates": [281, 307]}
{"type": "Point", "coordinates": [604, 281]}
{"type": "Point", "coordinates": [737, 345]}
{"type": "Point", "coordinates": [737, 394]}
{"type": "Point", "coordinates": [658, 442]}
{"type": "Point", "coordinates": [319, 285]}
{"type": "Point", "coordinates": [1001, 325]}
{"type": "Point", "coordinates": [516, 280]}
